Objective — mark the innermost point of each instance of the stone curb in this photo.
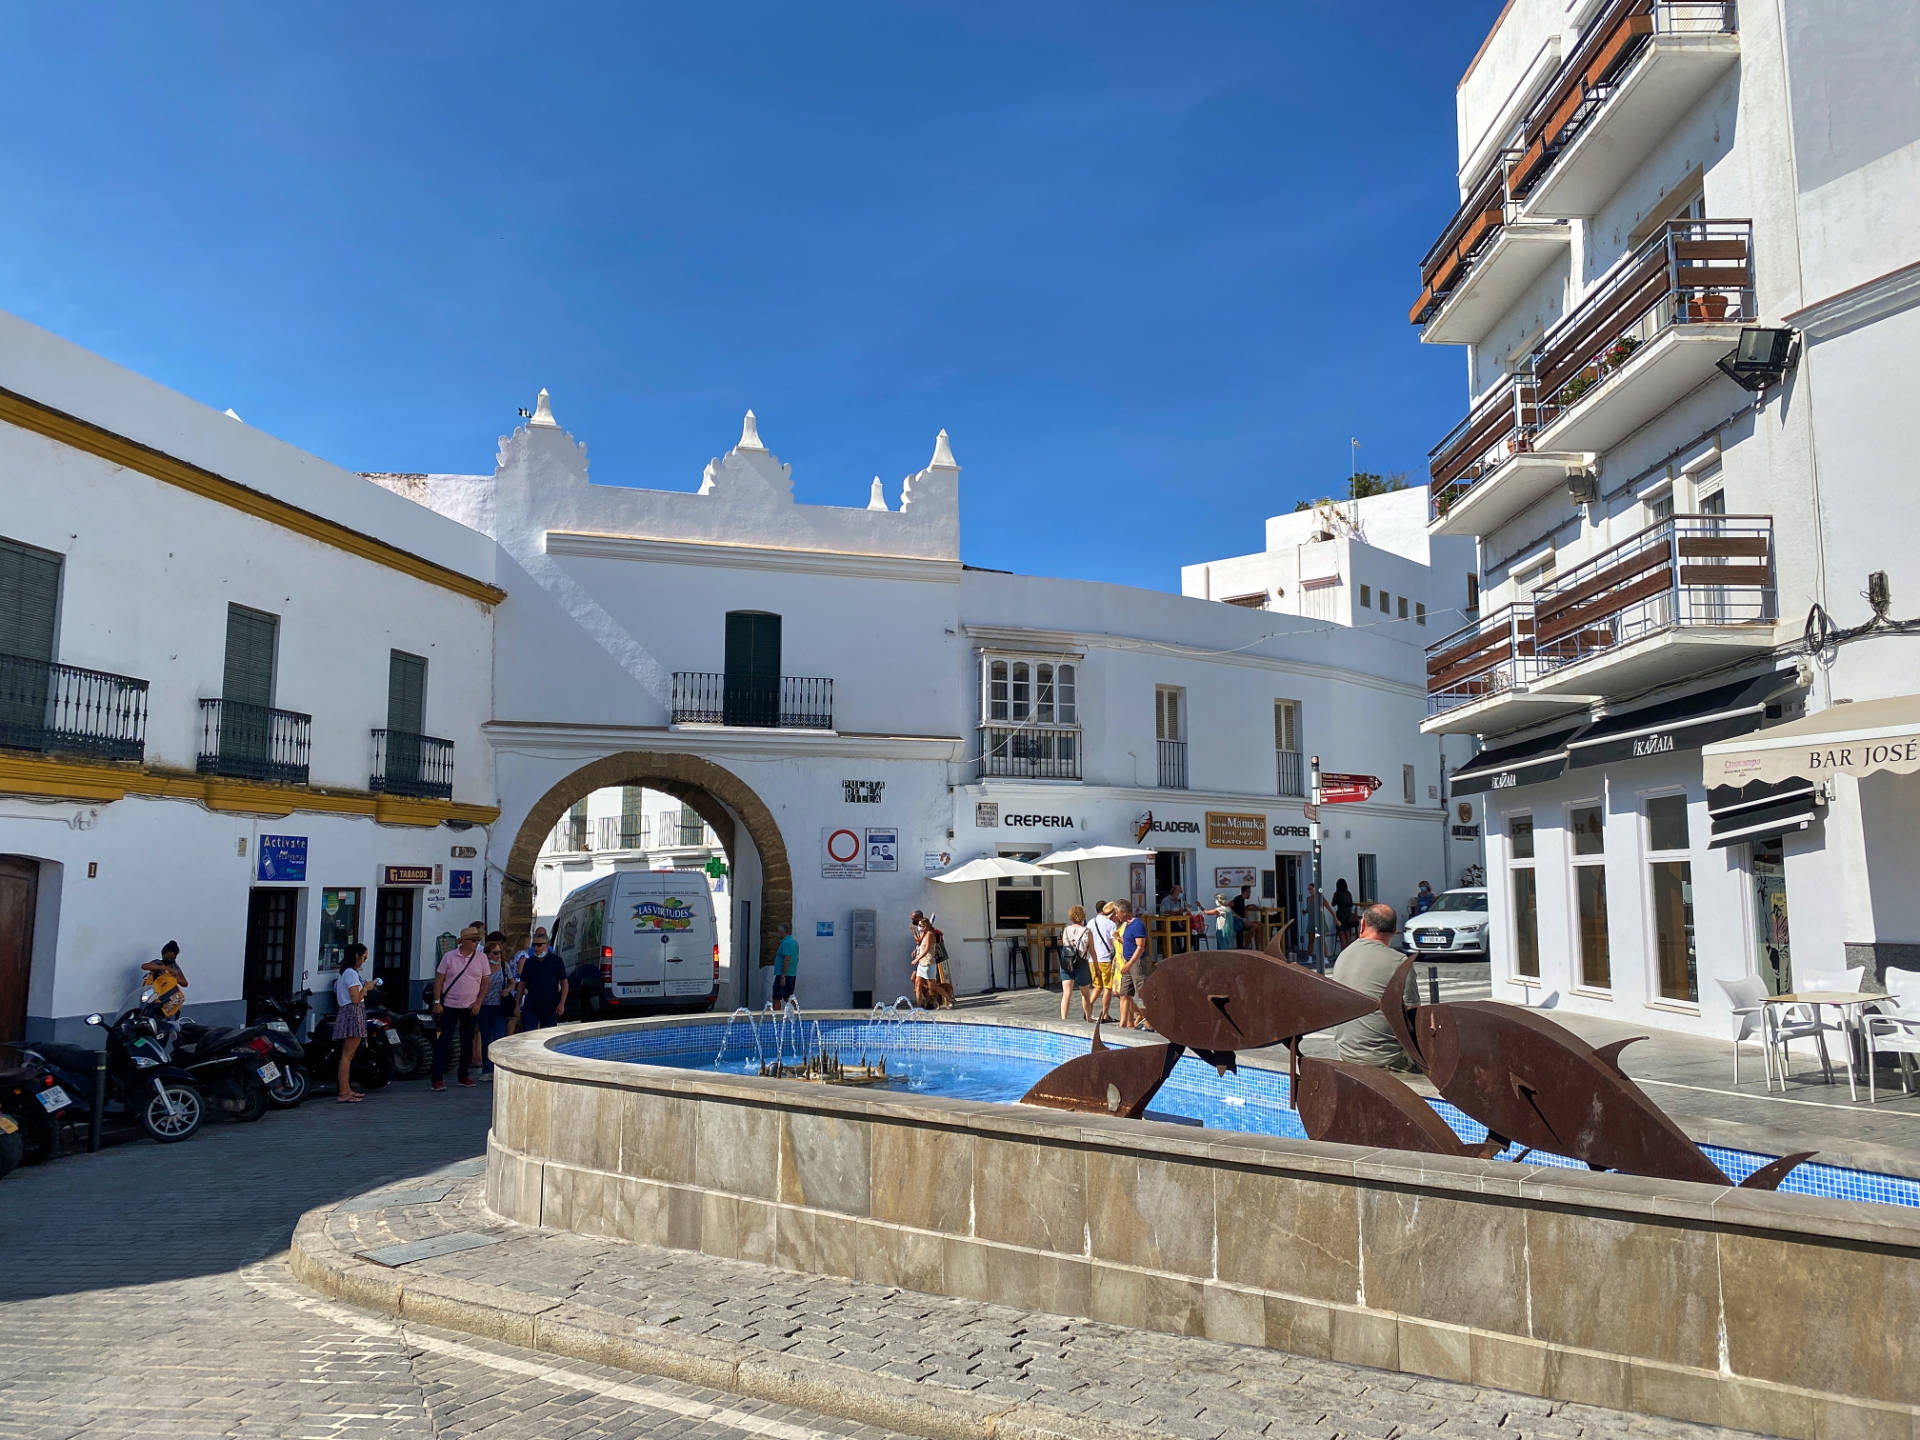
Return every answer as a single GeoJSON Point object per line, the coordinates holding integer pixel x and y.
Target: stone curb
{"type": "Point", "coordinates": [598, 1337]}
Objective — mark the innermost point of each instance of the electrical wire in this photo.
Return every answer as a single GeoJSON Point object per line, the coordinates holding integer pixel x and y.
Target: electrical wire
{"type": "Point", "coordinates": [1822, 637]}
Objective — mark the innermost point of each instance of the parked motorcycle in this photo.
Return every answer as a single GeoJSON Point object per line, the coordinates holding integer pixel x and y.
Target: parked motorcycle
{"type": "Point", "coordinates": [272, 1054]}
{"type": "Point", "coordinates": [35, 1100]}
{"type": "Point", "coordinates": [12, 1145]}
{"type": "Point", "coordinates": [373, 1062]}
{"type": "Point", "coordinates": [142, 1082]}
{"type": "Point", "coordinates": [411, 1049]}
{"type": "Point", "coordinates": [286, 1024]}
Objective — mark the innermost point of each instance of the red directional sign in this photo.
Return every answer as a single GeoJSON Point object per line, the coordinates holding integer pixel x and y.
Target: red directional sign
{"type": "Point", "coordinates": [1346, 789]}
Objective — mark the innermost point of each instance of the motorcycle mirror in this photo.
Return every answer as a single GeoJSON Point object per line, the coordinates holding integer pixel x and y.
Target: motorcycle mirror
{"type": "Point", "coordinates": [95, 1019]}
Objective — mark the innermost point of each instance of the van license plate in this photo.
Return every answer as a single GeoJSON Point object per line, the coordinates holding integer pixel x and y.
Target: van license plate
{"type": "Point", "coordinates": [629, 990]}
{"type": "Point", "coordinates": [53, 1099]}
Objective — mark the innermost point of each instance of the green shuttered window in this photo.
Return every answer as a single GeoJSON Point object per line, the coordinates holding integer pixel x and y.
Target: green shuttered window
{"type": "Point", "coordinates": [29, 600]}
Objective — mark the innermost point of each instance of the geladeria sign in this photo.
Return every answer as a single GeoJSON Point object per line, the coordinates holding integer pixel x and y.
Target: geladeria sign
{"type": "Point", "coordinates": [1226, 831]}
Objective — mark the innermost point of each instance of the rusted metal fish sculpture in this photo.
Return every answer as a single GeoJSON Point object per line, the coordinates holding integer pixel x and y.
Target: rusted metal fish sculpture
{"type": "Point", "coordinates": [1108, 1080]}
{"type": "Point", "coordinates": [1215, 1002]}
{"type": "Point", "coordinates": [1348, 1104]}
{"type": "Point", "coordinates": [1536, 1083]}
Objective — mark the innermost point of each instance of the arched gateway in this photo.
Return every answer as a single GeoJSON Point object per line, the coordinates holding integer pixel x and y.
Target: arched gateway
{"type": "Point", "coordinates": [716, 794]}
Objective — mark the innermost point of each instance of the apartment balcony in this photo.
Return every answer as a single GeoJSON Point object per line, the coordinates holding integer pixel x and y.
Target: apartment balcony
{"type": "Point", "coordinates": [1030, 752]}
{"type": "Point", "coordinates": [254, 742]}
{"type": "Point", "coordinates": [1480, 678]}
{"type": "Point", "coordinates": [1684, 595]}
{"type": "Point", "coordinates": [1633, 76]}
{"type": "Point", "coordinates": [1292, 773]}
{"type": "Point", "coordinates": [1484, 261]}
{"type": "Point", "coordinates": [786, 702]}
{"type": "Point", "coordinates": [1173, 764]}
{"type": "Point", "coordinates": [409, 764]}
{"type": "Point", "coordinates": [615, 832]}
{"type": "Point", "coordinates": [1651, 331]}
{"type": "Point", "coordinates": [1487, 470]}
{"type": "Point", "coordinates": [64, 710]}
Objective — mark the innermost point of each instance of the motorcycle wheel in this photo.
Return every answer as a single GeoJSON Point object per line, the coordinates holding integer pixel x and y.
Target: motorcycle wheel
{"type": "Point", "coordinates": [253, 1100]}
{"type": "Point", "coordinates": [39, 1134]}
{"type": "Point", "coordinates": [412, 1058]}
{"type": "Point", "coordinates": [370, 1069]}
{"type": "Point", "coordinates": [13, 1146]}
{"type": "Point", "coordinates": [169, 1128]}
{"type": "Point", "coordinates": [290, 1089]}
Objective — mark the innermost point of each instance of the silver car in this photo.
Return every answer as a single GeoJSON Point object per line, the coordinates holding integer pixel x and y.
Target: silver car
{"type": "Point", "coordinates": [1453, 928]}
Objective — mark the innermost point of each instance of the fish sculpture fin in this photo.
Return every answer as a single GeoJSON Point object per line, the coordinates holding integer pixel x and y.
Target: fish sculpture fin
{"type": "Point", "coordinates": [1769, 1176]}
{"type": "Point", "coordinates": [1399, 1014]}
{"type": "Point", "coordinates": [1610, 1054]}
{"type": "Point", "coordinates": [1220, 1003]}
{"type": "Point", "coordinates": [1224, 1061]}
{"type": "Point", "coordinates": [1098, 1043]}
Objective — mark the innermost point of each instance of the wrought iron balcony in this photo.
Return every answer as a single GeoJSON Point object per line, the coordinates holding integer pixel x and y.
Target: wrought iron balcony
{"type": "Point", "coordinates": [1292, 774]}
{"type": "Point", "coordinates": [408, 764]}
{"type": "Point", "coordinates": [1173, 764]}
{"type": "Point", "coordinates": [790, 702]}
{"type": "Point", "coordinates": [1030, 752]}
{"type": "Point", "coordinates": [62, 709]}
{"type": "Point", "coordinates": [615, 832]}
{"type": "Point", "coordinates": [1489, 657]}
{"type": "Point", "coordinates": [253, 742]}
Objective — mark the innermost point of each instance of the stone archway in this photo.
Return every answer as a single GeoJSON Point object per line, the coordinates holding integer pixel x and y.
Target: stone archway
{"type": "Point", "coordinates": [715, 794]}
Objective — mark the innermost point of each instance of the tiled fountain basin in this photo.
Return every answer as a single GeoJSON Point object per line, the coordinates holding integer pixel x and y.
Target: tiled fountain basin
{"type": "Point", "coordinates": [1791, 1314]}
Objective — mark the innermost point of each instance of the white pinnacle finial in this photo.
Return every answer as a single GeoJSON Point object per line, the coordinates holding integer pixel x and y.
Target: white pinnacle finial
{"type": "Point", "coordinates": [879, 496]}
{"type": "Point", "coordinates": [750, 434]}
{"type": "Point", "coordinates": [543, 411]}
{"type": "Point", "coordinates": [943, 453]}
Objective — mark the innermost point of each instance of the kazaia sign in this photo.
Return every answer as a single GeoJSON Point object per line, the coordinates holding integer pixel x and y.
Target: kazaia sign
{"type": "Point", "coordinates": [1039, 822]}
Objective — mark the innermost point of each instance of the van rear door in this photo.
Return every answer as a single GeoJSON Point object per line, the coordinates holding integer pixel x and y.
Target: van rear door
{"type": "Point", "coordinates": [653, 915]}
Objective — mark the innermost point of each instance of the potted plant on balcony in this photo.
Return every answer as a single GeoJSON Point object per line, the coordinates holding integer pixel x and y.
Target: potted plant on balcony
{"type": "Point", "coordinates": [1577, 386]}
{"type": "Point", "coordinates": [1621, 351]}
{"type": "Point", "coordinates": [1713, 305]}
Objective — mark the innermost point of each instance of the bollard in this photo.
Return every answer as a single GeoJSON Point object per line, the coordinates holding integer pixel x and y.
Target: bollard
{"type": "Point", "coordinates": [1433, 984]}
{"type": "Point", "coordinates": [99, 1101]}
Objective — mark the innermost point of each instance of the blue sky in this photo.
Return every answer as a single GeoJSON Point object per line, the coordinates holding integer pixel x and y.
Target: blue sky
{"type": "Point", "coordinates": [1149, 265]}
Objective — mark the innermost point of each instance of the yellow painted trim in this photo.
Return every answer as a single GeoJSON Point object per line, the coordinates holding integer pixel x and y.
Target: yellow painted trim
{"type": "Point", "coordinates": [78, 780]}
{"type": "Point", "coordinates": [80, 434]}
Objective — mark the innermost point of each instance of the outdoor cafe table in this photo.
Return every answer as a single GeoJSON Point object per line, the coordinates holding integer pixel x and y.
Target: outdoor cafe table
{"type": "Point", "coordinates": [1043, 945]}
{"type": "Point", "coordinates": [1850, 1004]}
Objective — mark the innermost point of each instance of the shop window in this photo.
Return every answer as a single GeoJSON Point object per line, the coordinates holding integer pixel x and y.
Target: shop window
{"type": "Point", "coordinates": [1587, 825]}
{"type": "Point", "coordinates": [1670, 892]}
{"type": "Point", "coordinates": [1526, 897]}
{"type": "Point", "coordinates": [339, 926]}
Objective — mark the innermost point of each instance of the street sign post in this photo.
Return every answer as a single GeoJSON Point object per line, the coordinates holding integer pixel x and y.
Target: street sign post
{"type": "Point", "coordinates": [1336, 789]}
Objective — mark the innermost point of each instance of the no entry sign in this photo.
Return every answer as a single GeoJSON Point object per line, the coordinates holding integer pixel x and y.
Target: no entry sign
{"type": "Point", "coordinates": [842, 854]}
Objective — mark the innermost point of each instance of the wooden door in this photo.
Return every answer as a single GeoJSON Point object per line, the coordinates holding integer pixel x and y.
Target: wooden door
{"type": "Point", "coordinates": [752, 691]}
{"type": "Point", "coordinates": [270, 944]}
{"type": "Point", "coordinates": [19, 892]}
{"type": "Point", "coordinates": [393, 944]}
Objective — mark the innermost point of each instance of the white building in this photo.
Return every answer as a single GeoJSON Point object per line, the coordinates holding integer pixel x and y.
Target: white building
{"type": "Point", "coordinates": [241, 702]}
{"type": "Point", "coordinates": [1651, 188]}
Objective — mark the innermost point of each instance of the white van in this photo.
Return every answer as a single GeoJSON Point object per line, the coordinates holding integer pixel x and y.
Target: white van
{"type": "Point", "coordinates": [651, 932]}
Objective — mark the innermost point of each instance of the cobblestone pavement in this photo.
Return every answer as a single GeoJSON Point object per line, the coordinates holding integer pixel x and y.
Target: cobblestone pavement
{"type": "Point", "coordinates": [144, 1292]}
{"type": "Point", "coordinates": [1103, 1374]}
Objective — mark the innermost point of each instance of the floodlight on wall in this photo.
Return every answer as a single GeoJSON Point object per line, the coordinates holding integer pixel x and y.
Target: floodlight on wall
{"type": "Point", "coordinates": [1762, 358]}
{"type": "Point", "coordinates": [1583, 487]}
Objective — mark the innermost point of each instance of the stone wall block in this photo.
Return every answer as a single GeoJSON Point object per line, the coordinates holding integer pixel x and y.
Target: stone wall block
{"type": "Point", "coordinates": [1442, 1351]}
{"type": "Point", "coordinates": [733, 1227]}
{"type": "Point", "coordinates": [657, 1136]}
{"type": "Point", "coordinates": [1053, 1284]}
{"type": "Point", "coordinates": [1155, 1302]}
{"type": "Point", "coordinates": [1030, 1194]}
{"type": "Point", "coordinates": [583, 1126]}
{"type": "Point", "coordinates": [737, 1149]}
{"type": "Point", "coordinates": [1152, 1213]}
{"type": "Point", "coordinates": [1300, 1327]}
{"type": "Point", "coordinates": [826, 1162]}
{"type": "Point", "coordinates": [1461, 1262]}
{"type": "Point", "coordinates": [923, 1176]}
{"type": "Point", "coordinates": [1298, 1237]}
{"type": "Point", "coordinates": [1660, 1291]}
{"type": "Point", "coordinates": [1238, 1317]}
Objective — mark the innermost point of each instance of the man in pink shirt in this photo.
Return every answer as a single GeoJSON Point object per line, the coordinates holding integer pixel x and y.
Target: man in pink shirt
{"type": "Point", "coordinates": [458, 985]}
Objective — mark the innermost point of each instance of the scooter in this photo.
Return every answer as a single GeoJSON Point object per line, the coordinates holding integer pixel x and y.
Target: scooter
{"type": "Point", "coordinates": [142, 1082]}
{"type": "Point", "coordinates": [232, 1072]}
{"type": "Point", "coordinates": [34, 1100]}
{"type": "Point", "coordinates": [272, 1054]}
{"type": "Point", "coordinates": [373, 1062]}
{"type": "Point", "coordinates": [12, 1146]}
{"type": "Point", "coordinates": [411, 1049]}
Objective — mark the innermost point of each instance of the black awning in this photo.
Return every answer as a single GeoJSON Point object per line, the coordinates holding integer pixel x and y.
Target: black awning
{"type": "Point", "coordinates": [1684, 723]}
{"type": "Point", "coordinates": [1739, 813]}
{"type": "Point", "coordinates": [1528, 763]}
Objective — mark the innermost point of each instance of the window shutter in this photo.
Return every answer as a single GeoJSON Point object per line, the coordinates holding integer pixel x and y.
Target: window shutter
{"type": "Point", "coordinates": [250, 643]}
{"type": "Point", "coordinates": [406, 693]}
{"type": "Point", "coordinates": [29, 600]}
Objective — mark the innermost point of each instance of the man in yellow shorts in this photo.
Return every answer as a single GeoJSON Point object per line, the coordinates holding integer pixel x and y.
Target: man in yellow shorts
{"type": "Point", "coordinates": [1105, 933]}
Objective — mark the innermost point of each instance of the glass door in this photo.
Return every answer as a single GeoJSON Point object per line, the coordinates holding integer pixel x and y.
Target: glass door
{"type": "Point", "coordinates": [1773, 958]}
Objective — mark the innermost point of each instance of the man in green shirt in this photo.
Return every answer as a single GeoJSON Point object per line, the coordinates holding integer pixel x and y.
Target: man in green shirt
{"type": "Point", "coordinates": [1367, 965]}
{"type": "Point", "coordinates": [786, 966]}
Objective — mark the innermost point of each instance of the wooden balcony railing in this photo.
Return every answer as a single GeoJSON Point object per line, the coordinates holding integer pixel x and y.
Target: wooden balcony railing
{"type": "Point", "coordinates": [1499, 426]}
{"type": "Point", "coordinates": [1465, 239]}
{"type": "Point", "coordinates": [1688, 570]}
{"type": "Point", "coordinates": [1687, 272]}
{"type": "Point", "coordinates": [1488, 657]}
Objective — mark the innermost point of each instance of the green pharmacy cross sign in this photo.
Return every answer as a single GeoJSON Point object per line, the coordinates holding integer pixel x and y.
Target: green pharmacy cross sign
{"type": "Point", "coordinates": [716, 868]}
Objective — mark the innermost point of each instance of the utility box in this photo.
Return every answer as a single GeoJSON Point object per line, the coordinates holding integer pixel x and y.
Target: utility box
{"type": "Point", "coordinates": [865, 931]}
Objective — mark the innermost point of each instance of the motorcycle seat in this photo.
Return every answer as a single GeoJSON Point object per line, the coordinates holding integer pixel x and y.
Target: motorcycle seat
{"type": "Point", "coordinates": [78, 1058]}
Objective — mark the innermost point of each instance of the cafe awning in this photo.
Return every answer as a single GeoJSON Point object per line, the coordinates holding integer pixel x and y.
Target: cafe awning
{"type": "Point", "coordinates": [1686, 722]}
{"type": "Point", "coordinates": [1847, 738]}
{"type": "Point", "coordinates": [1738, 814]}
{"type": "Point", "coordinates": [1528, 763]}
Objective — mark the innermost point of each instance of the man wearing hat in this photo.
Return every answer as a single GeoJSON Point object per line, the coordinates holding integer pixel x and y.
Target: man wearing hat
{"type": "Point", "coordinates": [459, 983]}
{"type": "Point", "coordinates": [543, 984]}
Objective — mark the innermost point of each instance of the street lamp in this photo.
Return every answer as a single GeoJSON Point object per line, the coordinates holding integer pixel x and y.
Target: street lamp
{"type": "Point", "coordinates": [1762, 358]}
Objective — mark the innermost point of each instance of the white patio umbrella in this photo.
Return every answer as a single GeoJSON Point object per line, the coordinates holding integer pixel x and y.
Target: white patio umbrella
{"type": "Point", "coordinates": [1078, 854]}
{"type": "Point", "coordinates": [987, 869]}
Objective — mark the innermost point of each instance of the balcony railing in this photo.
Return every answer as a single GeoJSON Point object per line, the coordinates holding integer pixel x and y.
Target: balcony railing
{"type": "Point", "coordinates": [1688, 272]}
{"type": "Point", "coordinates": [1173, 764]}
{"type": "Point", "coordinates": [1489, 657]}
{"type": "Point", "coordinates": [616, 832]}
{"type": "Point", "coordinates": [1292, 777]}
{"type": "Point", "coordinates": [1689, 570]}
{"type": "Point", "coordinates": [1030, 752]}
{"type": "Point", "coordinates": [1591, 74]}
{"type": "Point", "coordinates": [1465, 239]}
{"type": "Point", "coordinates": [62, 709]}
{"type": "Point", "coordinates": [1498, 427]}
{"type": "Point", "coordinates": [790, 702]}
{"type": "Point", "coordinates": [253, 742]}
{"type": "Point", "coordinates": [409, 764]}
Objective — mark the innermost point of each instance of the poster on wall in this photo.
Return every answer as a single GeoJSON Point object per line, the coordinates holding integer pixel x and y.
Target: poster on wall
{"type": "Point", "coordinates": [883, 849]}
{"type": "Point", "coordinates": [1138, 879]}
{"type": "Point", "coordinates": [282, 858]}
{"type": "Point", "coordinates": [842, 854]}
{"type": "Point", "coordinates": [1231, 877]}
{"type": "Point", "coordinates": [936, 860]}
{"type": "Point", "coordinates": [986, 814]}
{"type": "Point", "coordinates": [460, 884]}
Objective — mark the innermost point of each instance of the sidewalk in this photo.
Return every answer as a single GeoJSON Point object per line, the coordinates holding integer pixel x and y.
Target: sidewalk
{"type": "Point", "coordinates": [427, 1250]}
{"type": "Point", "coordinates": [1690, 1078]}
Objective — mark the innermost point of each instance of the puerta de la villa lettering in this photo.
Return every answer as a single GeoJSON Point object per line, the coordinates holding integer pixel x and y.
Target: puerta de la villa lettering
{"type": "Point", "coordinates": [863, 792]}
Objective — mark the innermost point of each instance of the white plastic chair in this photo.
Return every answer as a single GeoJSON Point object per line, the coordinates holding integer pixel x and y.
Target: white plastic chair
{"type": "Point", "coordinates": [1894, 1028]}
{"type": "Point", "coordinates": [1798, 1022]}
{"type": "Point", "coordinates": [1747, 997]}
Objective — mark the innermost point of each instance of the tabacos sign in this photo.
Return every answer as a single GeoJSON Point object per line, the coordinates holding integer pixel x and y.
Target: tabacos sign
{"type": "Point", "coordinates": [667, 914]}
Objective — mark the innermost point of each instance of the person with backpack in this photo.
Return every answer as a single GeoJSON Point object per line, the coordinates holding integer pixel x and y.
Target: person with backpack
{"type": "Point", "coordinates": [1102, 936]}
{"type": "Point", "coordinates": [1076, 968]}
{"type": "Point", "coordinates": [923, 968]}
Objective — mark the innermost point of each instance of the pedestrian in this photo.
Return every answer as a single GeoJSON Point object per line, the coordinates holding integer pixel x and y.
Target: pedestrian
{"type": "Point", "coordinates": [921, 967]}
{"type": "Point", "coordinates": [349, 1018]}
{"type": "Point", "coordinates": [543, 985]}
{"type": "Point", "coordinates": [1076, 971]}
{"type": "Point", "coordinates": [1133, 963]}
{"type": "Point", "coordinates": [1345, 913]}
{"type": "Point", "coordinates": [1368, 965]}
{"type": "Point", "coordinates": [1175, 902]}
{"type": "Point", "coordinates": [1422, 899]}
{"type": "Point", "coordinates": [1105, 935]}
{"type": "Point", "coordinates": [492, 1019]}
{"type": "Point", "coordinates": [786, 966]}
{"type": "Point", "coordinates": [1226, 925]}
{"type": "Point", "coordinates": [459, 985]}
{"type": "Point", "coordinates": [168, 964]}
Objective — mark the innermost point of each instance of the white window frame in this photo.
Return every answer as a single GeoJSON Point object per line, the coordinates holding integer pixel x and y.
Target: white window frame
{"type": "Point", "coordinates": [1058, 674]}
{"type": "Point", "coordinates": [1577, 981]}
{"type": "Point", "coordinates": [1649, 857]}
{"type": "Point", "coordinates": [1531, 864]}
